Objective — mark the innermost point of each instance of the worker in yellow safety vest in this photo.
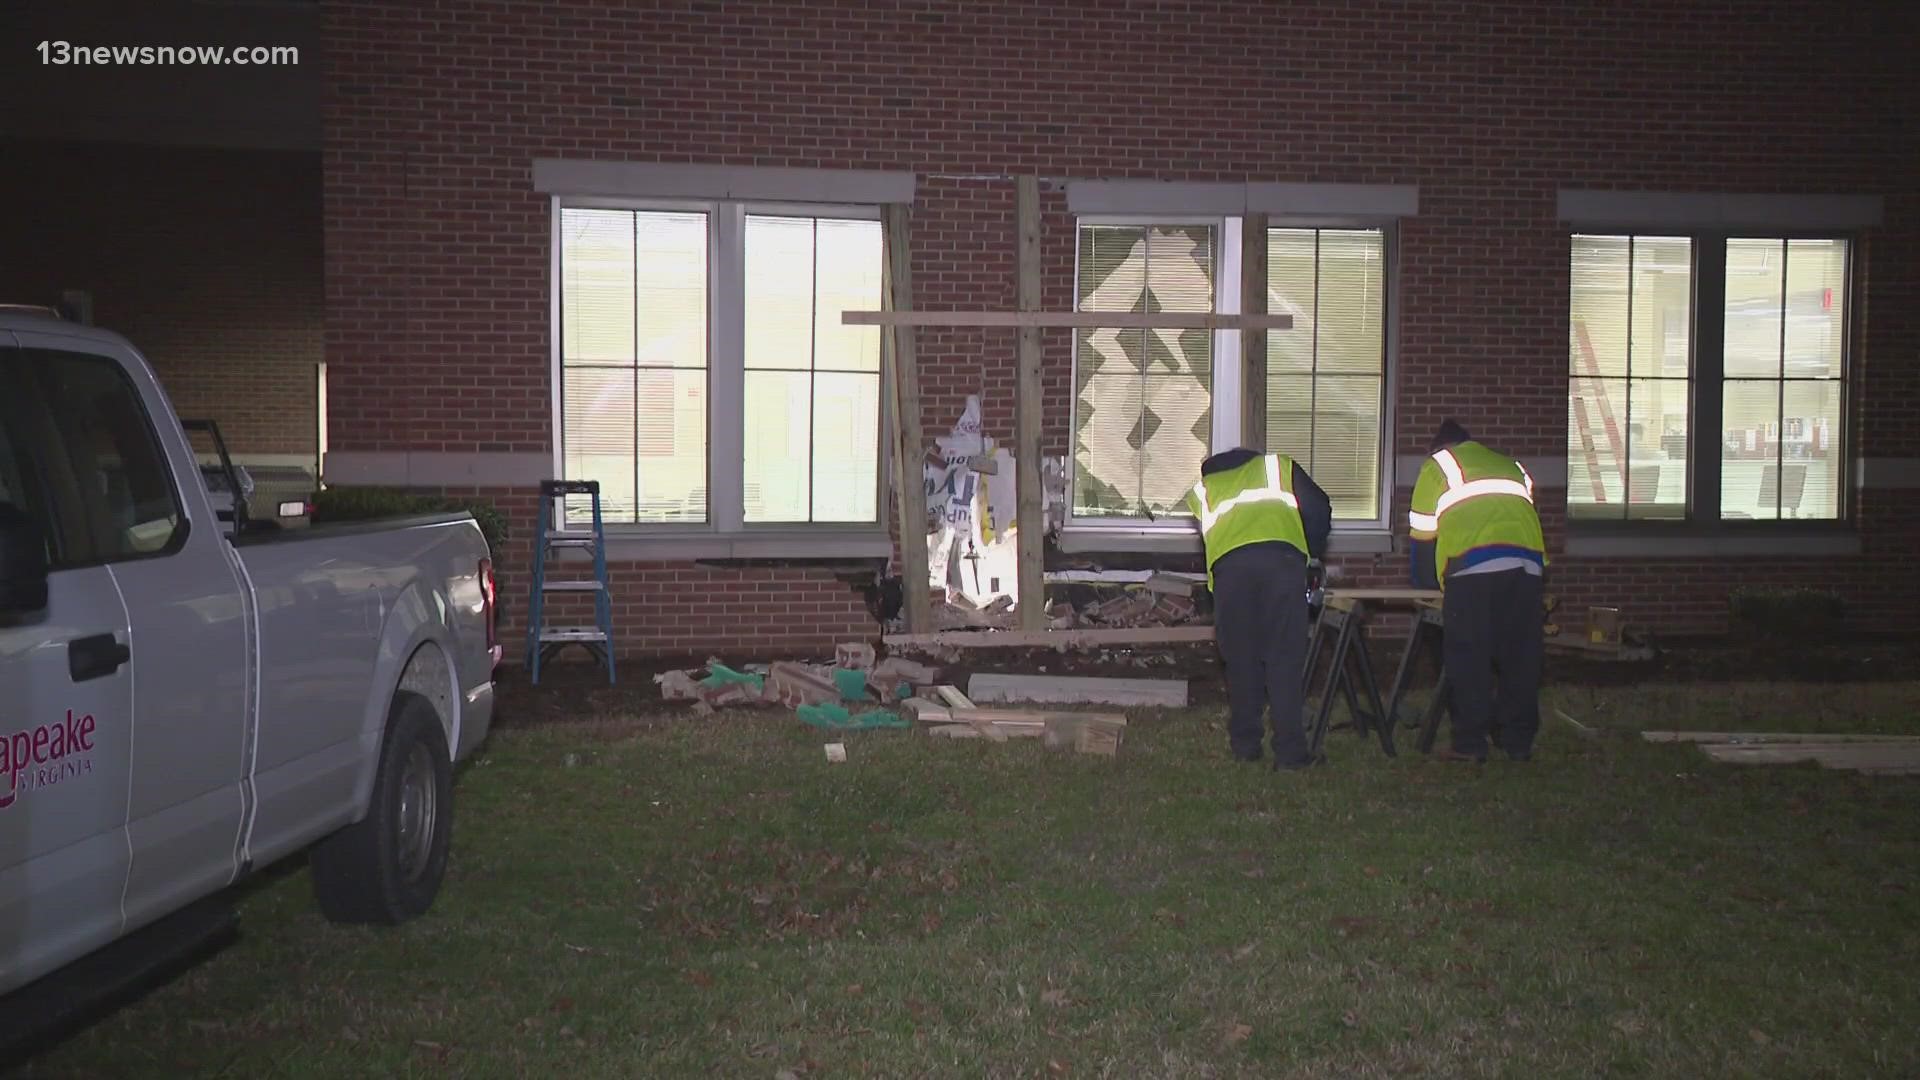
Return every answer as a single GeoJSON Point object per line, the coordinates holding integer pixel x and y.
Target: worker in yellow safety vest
{"type": "Point", "coordinates": [1476, 536]}
{"type": "Point", "coordinates": [1264, 523]}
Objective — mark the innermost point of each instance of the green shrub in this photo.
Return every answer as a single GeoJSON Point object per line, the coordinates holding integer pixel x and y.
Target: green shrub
{"type": "Point", "coordinates": [336, 504]}
{"type": "Point", "coordinates": [1774, 611]}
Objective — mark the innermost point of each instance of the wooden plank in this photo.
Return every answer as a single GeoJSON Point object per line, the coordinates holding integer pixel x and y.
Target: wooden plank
{"type": "Point", "coordinates": [1869, 757]}
{"type": "Point", "coordinates": [1083, 320]}
{"type": "Point", "coordinates": [1579, 728]}
{"type": "Point", "coordinates": [1578, 644]}
{"type": "Point", "coordinates": [1084, 735]}
{"type": "Point", "coordinates": [1029, 520]}
{"type": "Point", "coordinates": [1411, 595]}
{"type": "Point", "coordinates": [1053, 639]}
{"type": "Point", "coordinates": [926, 711]}
{"type": "Point", "coordinates": [1253, 339]}
{"type": "Point", "coordinates": [1053, 689]}
{"type": "Point", "coordinates": [1034, 718]}
{"type": "Point", "coordinates": [1737, 738]}
{"type": "Point", "coordinates": [953, 697]}
{"type": "Point", "coordinates": [907, 451]}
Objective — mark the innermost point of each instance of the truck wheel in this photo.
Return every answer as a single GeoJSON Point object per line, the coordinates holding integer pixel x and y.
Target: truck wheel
{"type": "Point", "coordinates": [387, 867]}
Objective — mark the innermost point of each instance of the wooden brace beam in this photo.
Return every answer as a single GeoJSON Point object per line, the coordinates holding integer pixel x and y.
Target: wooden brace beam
{"type": "Point", "coordinates": [1088, 320]}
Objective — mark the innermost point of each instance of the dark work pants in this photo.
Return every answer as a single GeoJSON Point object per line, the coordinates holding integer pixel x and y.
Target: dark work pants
{"type": "Point", "coordinates": [1494, 641]}
{"type": "Point", "coordinates": [1260, 624]}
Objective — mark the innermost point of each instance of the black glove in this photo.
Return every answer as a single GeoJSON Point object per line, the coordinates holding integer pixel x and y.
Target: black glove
{"type": "Point", "coordinates": [1316, 596]}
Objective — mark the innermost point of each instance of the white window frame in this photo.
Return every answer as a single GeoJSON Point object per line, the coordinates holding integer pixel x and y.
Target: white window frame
{"type": "Point", "coordinates": [1117, 534]}
{"type": "Point", "coordinates": [1375, 534]}
{"type": "Point", "coordinates": [1224, 430]}
{"type": "Point", "coordinates": [726, 402]}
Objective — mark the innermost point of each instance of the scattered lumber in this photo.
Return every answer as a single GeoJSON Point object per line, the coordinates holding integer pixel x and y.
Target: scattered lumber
{"type": "Point", "coordinates": [1059, 690]}
{"type": "Point", "coordinates": [1085, 733]}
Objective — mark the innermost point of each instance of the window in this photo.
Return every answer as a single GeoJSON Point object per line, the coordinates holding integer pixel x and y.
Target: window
{"type": "Point", "coordinates": [1150, 405]}
{"type": "Point", "coordinates": [1143, 399]}
{"type": "Point", "coordinates": [633, 353]}
{"type": "Point", "coordinates": [1765, 368]}
{"type": "Point", "coordinates": [113, 491]}
{"type": "Point", "coordinates": [812, 383]}
{"type": "Point", "coordinates": [1326, 378]}
{"type": "Point", "coordinates": [1783, 385]}
{"type": "Point", "coordinates": [1630, 379]}
{"type": "Point", "coordinates": [705, 378]}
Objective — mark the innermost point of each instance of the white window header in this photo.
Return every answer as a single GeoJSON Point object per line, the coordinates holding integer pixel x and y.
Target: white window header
{"type": "Point", "coordinates": [1658, 209]}
{"type": "Point", "coordinates": [1331, 201]}
{"type": "Point", "coordinates": [655, 180]}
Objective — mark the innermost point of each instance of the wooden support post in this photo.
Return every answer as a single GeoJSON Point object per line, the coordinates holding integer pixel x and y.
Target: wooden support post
{"type": "Point", "coordinates": [1030, 518]}
{"type": "Point", "coordinates": [900, 382]}
{"type": "Point", "coordinates": [1253, 339]}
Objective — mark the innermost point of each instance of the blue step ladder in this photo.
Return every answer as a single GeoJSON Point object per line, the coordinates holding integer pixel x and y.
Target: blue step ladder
{"type": "Point", "coordinates": [544, 641]}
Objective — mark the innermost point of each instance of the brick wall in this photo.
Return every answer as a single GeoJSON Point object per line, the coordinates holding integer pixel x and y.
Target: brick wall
{"type": "Point", "coordinates": [437, 245]}
{"type": "Point", "coordinates": [207, 260]}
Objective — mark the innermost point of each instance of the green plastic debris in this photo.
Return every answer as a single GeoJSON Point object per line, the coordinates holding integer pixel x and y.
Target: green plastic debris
{"type": "Point", "coordinates": [851, 684]}
{"type": "Point", "coordinates": [835, 717]}
{"type": "Point", "coordinates": [722, 675]}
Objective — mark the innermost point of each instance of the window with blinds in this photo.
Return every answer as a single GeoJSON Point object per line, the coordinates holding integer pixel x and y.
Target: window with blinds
{"type": "Point", "coordinates": [633, 362]}
{"type": "Point", "coordinates": [1326, 377]}
{"type": "Point", "coordinates": [1143, 398]}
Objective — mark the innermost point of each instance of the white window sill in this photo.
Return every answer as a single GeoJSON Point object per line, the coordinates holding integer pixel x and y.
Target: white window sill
{"type": "Point", "coordinates": [1627, 546]}
{"type": "Point", "coordinates": [684, 547]}
{"type": "Point", "coordinates": [1185, 540]}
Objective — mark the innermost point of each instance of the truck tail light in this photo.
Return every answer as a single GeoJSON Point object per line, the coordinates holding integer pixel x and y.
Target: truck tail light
{"type": "Point", "coordinates": [488, 610]}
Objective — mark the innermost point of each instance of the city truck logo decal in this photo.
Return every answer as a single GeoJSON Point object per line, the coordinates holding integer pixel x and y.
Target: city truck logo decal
{"type": "Point", "coordinates": [43, 756]}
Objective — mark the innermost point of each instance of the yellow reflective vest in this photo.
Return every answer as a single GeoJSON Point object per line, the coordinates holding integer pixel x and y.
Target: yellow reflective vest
{"type": "Point", "coordinates": [1475, 504]}
{"type": "Point", "coordinates": [1251, 504]}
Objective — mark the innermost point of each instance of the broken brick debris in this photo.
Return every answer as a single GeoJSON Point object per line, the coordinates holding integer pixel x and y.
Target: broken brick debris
{"type": "Point", "coordinates": [854, 656]}
{"type": "Point", "coordinates": [794, 684]}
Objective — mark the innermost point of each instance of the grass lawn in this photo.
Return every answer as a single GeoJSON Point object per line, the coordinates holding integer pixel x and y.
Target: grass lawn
{"type": "Point", "coordinates": [648, 895]}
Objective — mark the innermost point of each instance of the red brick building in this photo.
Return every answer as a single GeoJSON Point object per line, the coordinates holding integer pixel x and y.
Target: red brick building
{"type": "Point", "coordinates": [1668, 254]}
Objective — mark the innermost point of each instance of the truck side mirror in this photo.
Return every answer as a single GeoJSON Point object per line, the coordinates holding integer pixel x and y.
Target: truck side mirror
{"type": "Point", "coordinates": [23, 563]}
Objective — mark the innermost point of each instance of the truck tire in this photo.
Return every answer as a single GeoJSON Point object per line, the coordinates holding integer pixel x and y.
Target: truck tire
{"type": "Point", "coordinates": [387, 867]}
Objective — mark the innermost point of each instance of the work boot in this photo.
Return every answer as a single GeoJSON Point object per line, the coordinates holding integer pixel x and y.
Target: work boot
{"type": "Point", "coordinates": [1296, 766]}
{"type": "Point", "coordinates": [1456, 757]}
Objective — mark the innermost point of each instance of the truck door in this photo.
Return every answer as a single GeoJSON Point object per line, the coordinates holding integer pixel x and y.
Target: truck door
{"type": "Point", "coordinates": [66, 713]}
{"type": "Point", "coordinates": [191, 653]}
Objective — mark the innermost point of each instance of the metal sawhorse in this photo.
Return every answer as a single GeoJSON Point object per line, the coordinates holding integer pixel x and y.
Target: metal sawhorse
{"type": "Point", "coordinates": [1341, 629]}
{"type": "Point", "coordinates": [1428, 629]}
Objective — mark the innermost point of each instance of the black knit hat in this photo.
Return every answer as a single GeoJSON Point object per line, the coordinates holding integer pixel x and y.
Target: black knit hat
{"type": "Point", "coordinates": [1450, 432]}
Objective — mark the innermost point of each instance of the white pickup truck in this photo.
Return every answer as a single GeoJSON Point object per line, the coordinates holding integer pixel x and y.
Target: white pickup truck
{"type": "Point", "coordinates": [181, 706]}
